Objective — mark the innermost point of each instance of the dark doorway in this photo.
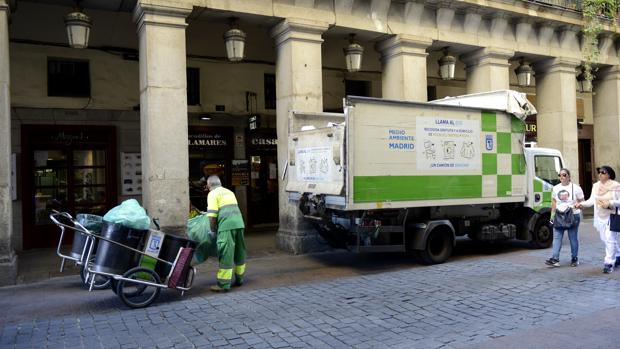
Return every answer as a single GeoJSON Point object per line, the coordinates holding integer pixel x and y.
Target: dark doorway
{"type": "Point", "coordinates": [263, 192]}
{"type": "Point", "coordinates": [585, 166]}
{"type": "Point", "coordinates": [210, 151]}
{"type": "Point", "coordinates": [357, 88]}
{"type": "Point", "coordinates": [66, 168]}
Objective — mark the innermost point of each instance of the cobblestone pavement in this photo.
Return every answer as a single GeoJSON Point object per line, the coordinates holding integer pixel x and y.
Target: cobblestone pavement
{"type": "Point", "coordinates": [510, 299]}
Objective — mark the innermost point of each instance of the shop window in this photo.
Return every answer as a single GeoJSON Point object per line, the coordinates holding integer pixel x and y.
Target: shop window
{"type": "Point", "coordinates": [270, 91]}
{"type": "Point", "coordinates": [68, 78]}
{"type": "Point", "coordinates": [357, 88]}
{"type": "Point", "coordinates": [193, 86]}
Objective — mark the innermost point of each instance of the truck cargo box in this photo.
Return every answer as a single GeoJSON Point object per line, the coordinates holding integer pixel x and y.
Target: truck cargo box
{"type": "Point", "coordinates": [383, 154]}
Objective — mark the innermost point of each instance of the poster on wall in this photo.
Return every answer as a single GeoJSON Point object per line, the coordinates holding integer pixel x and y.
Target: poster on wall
{"type": "Point", "coordinates": [240, 172]}
{"type": "Point", "coordinates": [131, 173]}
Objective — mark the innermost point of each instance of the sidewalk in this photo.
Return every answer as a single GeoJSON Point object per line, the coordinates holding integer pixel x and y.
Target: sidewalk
{"type": "Point", "coordinates": [43, 264]}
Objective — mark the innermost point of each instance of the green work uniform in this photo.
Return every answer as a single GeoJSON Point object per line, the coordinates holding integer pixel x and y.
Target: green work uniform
{"type": "Point", "coordinates": [222, 205]}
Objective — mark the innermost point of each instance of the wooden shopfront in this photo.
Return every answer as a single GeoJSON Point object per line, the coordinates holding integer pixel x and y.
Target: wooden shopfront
{"type": "Point", "coordinates": [67, 168]}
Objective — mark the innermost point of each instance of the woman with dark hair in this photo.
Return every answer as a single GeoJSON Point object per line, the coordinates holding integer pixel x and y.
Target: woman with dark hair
{"type": "Point", "coordinates": [565, 196]}
{"type": "Point", "coordinates": [601, 197]}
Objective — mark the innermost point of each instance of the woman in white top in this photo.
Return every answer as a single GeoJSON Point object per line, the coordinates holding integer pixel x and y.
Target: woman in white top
{"type": "Point", "coordinates": [565, 196]}
{"type": "Point", "coordinates": [602, 194]}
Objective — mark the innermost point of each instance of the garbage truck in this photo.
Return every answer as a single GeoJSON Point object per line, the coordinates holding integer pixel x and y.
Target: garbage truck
{"type": "Point", "coordinates": [389, 175]}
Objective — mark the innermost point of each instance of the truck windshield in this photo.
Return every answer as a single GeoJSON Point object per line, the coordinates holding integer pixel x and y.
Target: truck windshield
{"type": "Point", "coordinates": [548, 168]}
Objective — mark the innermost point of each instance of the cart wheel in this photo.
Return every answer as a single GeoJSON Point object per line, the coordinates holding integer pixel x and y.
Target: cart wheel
{"type": "Point", "coordinates": [101, 282]}
{"type": "Point", "coordinates": [114, 285]}
{"type": "Point", "coordinates": [136, 295]}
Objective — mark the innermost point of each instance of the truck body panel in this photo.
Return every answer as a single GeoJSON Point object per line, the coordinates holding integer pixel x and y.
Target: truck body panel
{"type": "Point", "coordinates": [405, 176]}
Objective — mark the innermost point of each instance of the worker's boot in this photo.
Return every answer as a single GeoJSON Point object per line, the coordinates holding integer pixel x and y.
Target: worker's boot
{"type": "Point", "coordinates": [218, 289]}
{"type": "Point", "coordinates": [238, 281]}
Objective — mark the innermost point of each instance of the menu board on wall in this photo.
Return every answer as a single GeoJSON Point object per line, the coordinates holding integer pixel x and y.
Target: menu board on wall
{"type": "Point", "coordinates": [131, 173]}
{"type": "Point", "coordinates": [240, 175]}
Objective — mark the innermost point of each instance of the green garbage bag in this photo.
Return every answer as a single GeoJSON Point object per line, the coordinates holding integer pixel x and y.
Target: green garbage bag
{"type": "Point", "coordinates": [198, 230]}
{"type": "Point", "coordinates": [129, 214]}
{"type": "Point", "coordinates": [91, 222]}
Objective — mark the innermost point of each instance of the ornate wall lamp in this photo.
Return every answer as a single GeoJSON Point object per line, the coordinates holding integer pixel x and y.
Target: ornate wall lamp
{"type": "Point", "coordinates": [353, 54]}
{"type": "Point", "coordinates": [584, 80]}
{"type": "Point", "coordinates": [235, 42]}
{"type": "Point", "coordinates": [524, 74]}
{"type": "Point", "coordinates": [78, 27]}
{"type": "Point", "coordinates": [446, 65]}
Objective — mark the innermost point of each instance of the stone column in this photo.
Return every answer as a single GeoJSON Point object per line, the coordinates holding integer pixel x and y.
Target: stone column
{"type": "Point", "coordinates": [299, 86]}
{"type": "Point", "coordinates": [487, 69]}
{"type": "Point", "coordinates": [606, 105]}
{"type": "Point", "coordinates": [163, 111]}
{"type": "Point", "coordinates": [556, 102]}
{"type": "Point", "coordinates": [403, 59]}
{"type": "Point", "coordinates": [8, 259]}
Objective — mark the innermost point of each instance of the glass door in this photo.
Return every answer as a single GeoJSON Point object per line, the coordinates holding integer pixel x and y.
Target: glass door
{"type": "Point", "coordinates": [51, 184]}
{"type": "Point", "coordinates": [65, 168]}
{"type": "Point", "coordinates": [89, 181]}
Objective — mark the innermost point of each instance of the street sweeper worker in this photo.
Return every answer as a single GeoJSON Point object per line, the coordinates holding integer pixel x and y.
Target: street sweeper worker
{"type": "Point", "coordinates": [227, 224]}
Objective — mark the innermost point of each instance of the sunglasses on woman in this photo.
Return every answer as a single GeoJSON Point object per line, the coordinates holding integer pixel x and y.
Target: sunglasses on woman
{"type": "Point", "coordinates": [602, 172]}
{"type": "Point", "coordinates": [563, 175]}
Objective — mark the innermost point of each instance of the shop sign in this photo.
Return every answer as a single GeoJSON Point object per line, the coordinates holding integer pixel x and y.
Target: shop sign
{"type": "Point", "coordinates": [69, 135]}
{"type": "Point", "coordinates": [530, 130]}
{"type": "Point", "coordinates": [68, 138]}
{"type": "Point", "coordinates": [254, 122]}
{"type": "Point", "coordinates": [240, 172]}
{"type": "Point", "coordinates": [209, 139]}
{"type": "Point", "coordinates": [263, 140]}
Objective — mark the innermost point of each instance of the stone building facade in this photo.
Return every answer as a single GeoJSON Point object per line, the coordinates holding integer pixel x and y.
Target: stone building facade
{"type": "Point", "coordinates": [157, 74]}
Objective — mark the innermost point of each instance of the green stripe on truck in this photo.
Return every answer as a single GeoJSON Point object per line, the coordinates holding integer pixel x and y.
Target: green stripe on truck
{"type": "Point", "coordinates": [516, 125]}
{"type": "Point", "coordinates": [489, 122]}
{"type": "Point", "coordinates": [403, 188]}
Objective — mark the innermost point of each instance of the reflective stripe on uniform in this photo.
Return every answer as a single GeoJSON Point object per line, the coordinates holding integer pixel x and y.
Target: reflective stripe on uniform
{"type": "Point", "coordinates": [240, 269]}
{"type": "Point", "coordinates": [224, 274]}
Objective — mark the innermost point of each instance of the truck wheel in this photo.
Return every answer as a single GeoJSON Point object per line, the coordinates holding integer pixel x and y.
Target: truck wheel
{"type": "Point", "coordinates": [438, 248]}
{"type": "Point", "coordinates": [542, 237]}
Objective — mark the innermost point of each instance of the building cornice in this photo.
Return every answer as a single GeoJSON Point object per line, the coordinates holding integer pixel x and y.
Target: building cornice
{"type": "Point", "coordinates": [161, 13]}
{"type": "Point", "coordinates": [298, 29]}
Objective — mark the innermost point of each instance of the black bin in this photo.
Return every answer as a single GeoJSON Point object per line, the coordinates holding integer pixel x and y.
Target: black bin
{"type": "Point", "coordinates": [93, 224]}
{"type": "Point", "coordinates": [114, 259]}
{"type": "Point", "coordinates": [169, 250]}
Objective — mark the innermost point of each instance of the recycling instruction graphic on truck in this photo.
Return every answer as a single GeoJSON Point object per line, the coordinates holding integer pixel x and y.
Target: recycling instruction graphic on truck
{"type": "Point", "coordinates": [448, 143]}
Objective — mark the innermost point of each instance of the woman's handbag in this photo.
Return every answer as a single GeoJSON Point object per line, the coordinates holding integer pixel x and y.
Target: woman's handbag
{"type": "Point", "coordinates": [614, 221]}
{"type": "Point", "coordinates": [566, 219]}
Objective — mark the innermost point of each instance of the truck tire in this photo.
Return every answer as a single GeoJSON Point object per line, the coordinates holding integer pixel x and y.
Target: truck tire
{"type": "Point", "coordinates": [438, 247]}
{"type": "Point", "coordinates": [542, 236]}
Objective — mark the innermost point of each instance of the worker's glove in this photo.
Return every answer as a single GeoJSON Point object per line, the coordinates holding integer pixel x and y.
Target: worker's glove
{"type": "Point", "coordinates": [212, 234]}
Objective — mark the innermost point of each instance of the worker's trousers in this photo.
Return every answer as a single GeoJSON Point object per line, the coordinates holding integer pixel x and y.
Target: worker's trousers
{"type": "Point", "coordinates": [231, 256]}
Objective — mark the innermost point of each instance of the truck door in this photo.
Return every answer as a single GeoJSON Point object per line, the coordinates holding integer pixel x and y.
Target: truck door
{"type": "Point", "coordinates": [546, 169]}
